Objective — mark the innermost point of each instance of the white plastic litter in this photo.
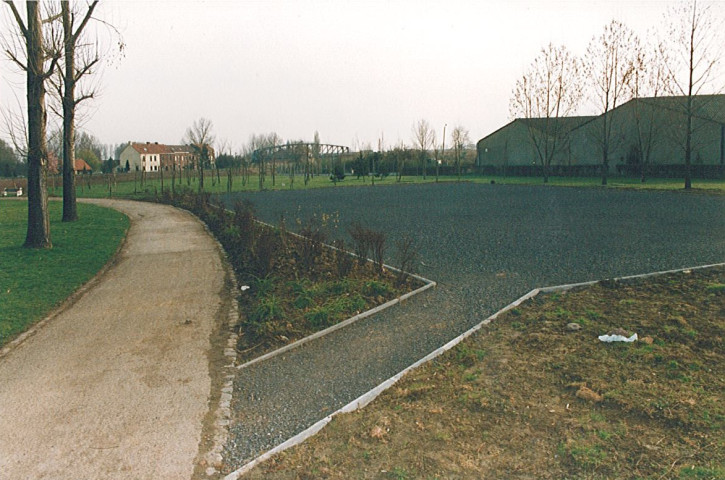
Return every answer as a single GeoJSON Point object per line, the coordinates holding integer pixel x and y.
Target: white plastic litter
{"type": "Point", "coordinates": [618, 338]}
{"type": "Point", "coordinates": [245, 287]}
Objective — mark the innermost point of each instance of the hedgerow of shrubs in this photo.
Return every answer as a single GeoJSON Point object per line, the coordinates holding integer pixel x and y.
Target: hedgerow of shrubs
{"type": "Point", "coordinates": [297, 284]}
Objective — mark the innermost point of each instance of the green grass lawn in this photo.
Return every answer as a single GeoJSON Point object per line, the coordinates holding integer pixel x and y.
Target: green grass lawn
{"type": "Point", "coordinates": [134, 189]}
{"type": "Point", "coordinates": [713, 186]}
{"type": "Point", "coordinates": [33, 282]}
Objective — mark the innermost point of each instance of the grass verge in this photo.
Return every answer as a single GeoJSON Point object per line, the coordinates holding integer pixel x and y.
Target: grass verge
{"type": "Point", "coordinates": [528, 398]}
{"type": "Point", "coordinates": [130, 185]}
{"type": "Point", "coordinates": [33, 282]}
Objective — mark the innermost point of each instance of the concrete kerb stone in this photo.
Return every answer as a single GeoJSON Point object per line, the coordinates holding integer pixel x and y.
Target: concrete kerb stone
{"type": "Point", "coordinates": [369, 396]}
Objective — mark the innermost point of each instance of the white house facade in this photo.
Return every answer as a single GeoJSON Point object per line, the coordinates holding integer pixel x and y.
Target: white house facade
{"type": "Point", "coordinates": [153, 157]}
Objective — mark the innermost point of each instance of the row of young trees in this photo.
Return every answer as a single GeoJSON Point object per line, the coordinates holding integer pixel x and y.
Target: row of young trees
{"type": "Point", "coordinates": [50, 46]}
{"type": "Point", "coordinates": [365, 161]}
{"type": "Point", "coordinates": [617, 67]}
{"type": "Point", "coordinates": [424, 139]}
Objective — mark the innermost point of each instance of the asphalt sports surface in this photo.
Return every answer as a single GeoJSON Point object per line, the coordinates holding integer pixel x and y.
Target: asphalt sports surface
{"type": "Point", "coordinates": [485, 245]}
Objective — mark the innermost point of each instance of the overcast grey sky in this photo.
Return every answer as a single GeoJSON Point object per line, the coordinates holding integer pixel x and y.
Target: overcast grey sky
{"type": "Point", "coordinates": [352, 70]}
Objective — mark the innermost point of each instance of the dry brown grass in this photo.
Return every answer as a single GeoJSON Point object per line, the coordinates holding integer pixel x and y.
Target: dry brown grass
{"type": "Point", "coordinates": [526, 398]}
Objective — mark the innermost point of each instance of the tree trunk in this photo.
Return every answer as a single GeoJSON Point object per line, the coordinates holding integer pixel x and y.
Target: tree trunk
{"type": "Point", "coordinates": [70, 211]}
{"type": "Point", "coordinates": [688, 145]}
{"type": "Point", "coordinates": [201, 175]}
{"type": "Point", "coordinates": [605, 150]}
{"type": "Point", "coordinates": [38, 233]}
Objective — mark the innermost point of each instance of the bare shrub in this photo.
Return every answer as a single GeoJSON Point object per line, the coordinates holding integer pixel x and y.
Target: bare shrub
{"type": "Point", "coordinates": [244, 222]}
{"type": "Point", "coordinates": [407, 257]}
{"type": "Point", "coordinates": [367, 241]}
{"type": "Point", "coordinates": [343, 259]}
{"type": "Point", "coordinates": [266, 248]}
{"type": "Point", "coordinates": [360, 243]}
{"type": "Point", "coordinates": [377, 246]}
{"type": "Point", "coordinates": [202, 201]}
{"type": "Point", "coordinates": [284, 236]}
{"type": "Point", "coordinates": [310, 246]}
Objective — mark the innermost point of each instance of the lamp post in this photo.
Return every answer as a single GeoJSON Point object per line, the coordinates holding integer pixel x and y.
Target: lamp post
{"type": "Point", "coordinates": [443, 151]}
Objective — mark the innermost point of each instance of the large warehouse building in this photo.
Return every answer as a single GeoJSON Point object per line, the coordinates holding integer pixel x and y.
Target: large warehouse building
{"type": "Point", "coordinates": [644, 130]}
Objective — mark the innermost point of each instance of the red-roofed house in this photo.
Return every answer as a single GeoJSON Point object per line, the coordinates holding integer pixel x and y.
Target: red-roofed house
{"type": "Point", "coordinates": [152, 157]}
{"type": "Point", "coordinates": [81, 166]}
{"type": "Point", "coordinates": [55, 165]}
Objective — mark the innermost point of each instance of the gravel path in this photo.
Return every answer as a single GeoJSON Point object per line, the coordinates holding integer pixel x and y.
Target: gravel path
{"type": "Point", "coordinates": [117, 385]}
{"type": "Point", "coordinates": [485, 245]}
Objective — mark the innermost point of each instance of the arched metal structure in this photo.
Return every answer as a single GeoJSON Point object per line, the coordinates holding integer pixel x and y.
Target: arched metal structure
{"type": "Point", "coordinates": [321, 149]}
{"type": "Point", "coordinates": [311, 158]}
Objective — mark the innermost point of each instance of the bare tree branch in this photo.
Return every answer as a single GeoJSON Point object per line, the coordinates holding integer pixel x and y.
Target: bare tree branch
{"type": "Point", "coordinates": [610, 63]}
{"type": "Point", "coordinates": [424, 139]}
{"type": "Point", "coordinates": [89, 13]}
{"type": "Point", "coordinates": [15, 59]}
{"type": "Point", "coordinates": [549, 90]}
{"type": "Point", "coordinates": [200, 137]}
{"type": "Point", "coordinates": [18, 19]}
{"type": "Point", "coordinates": [696, 41]}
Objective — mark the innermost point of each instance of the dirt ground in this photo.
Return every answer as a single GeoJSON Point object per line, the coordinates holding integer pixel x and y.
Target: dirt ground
{"type": "Point", "coordinates": [531, 397]}
{"type": "Point", "coordinates": [116, 386]}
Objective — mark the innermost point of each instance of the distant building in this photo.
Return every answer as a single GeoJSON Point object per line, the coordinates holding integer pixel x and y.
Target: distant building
{"type": "Point", "coordinates": [644, 130]}
{"type": "Point", "coordinates": [55, 165]}
{"type": "Point", "coordinates": [510, 149]}
{"type": "Point", "coordinates": [152, 157]}
{"type": "Point", "coordinates": [81, 166]}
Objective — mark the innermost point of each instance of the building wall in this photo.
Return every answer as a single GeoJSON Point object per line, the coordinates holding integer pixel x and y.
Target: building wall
{"type": "Point", "coordinates": [132, 156]}
{"type": "Point", "coordinates": [146, 161]}
{"type": "Point", "coordinates": [511, 146]}
{"type": "Point", "coordinates": [664, 129]}
{"type": "Point", "coordinates": [150, 162]}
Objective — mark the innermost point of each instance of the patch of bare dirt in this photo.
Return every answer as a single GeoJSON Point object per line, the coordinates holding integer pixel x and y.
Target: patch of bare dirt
{"type": "Point", "coordinates": [531, 397]}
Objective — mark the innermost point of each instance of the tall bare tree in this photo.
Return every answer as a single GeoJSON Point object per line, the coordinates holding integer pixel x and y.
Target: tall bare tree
{"type": "Point", "coordinates": [648, 81]}
{"type": "Point", "coordinates": [460, 140]}
{"type": "Point", "coordinates": [73, 69]}
{"type": "Point", "coordinates": [548, 91]}
{"type": "Point", "coordinates": [609, 65]}
{"type": "Point", "coordinates": [252, 151]}
{"type": "Point", "coordinates": [691, 52]}
{"type": "Point", "coordinates": [41, 51]}
{"type": "Point", "coordinates": [200, 137]}
{"type": "Point", "coordinates": [424, 138]}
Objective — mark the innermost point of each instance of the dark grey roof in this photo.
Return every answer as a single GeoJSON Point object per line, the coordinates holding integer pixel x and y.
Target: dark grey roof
{"type": "Point", "coordinates": [563, 124]}
{"type": "Point", "coordinates": [706, 107]}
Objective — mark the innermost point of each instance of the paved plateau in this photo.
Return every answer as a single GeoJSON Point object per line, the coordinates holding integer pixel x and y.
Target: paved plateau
{"type": "Point", "coordinates": [485, 245]}
{"type": "Point", "coordinates": [117, 385]}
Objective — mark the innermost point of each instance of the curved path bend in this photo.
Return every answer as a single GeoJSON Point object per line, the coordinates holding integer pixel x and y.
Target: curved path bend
{"type": "Point", "coordinates": [117, 385]}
